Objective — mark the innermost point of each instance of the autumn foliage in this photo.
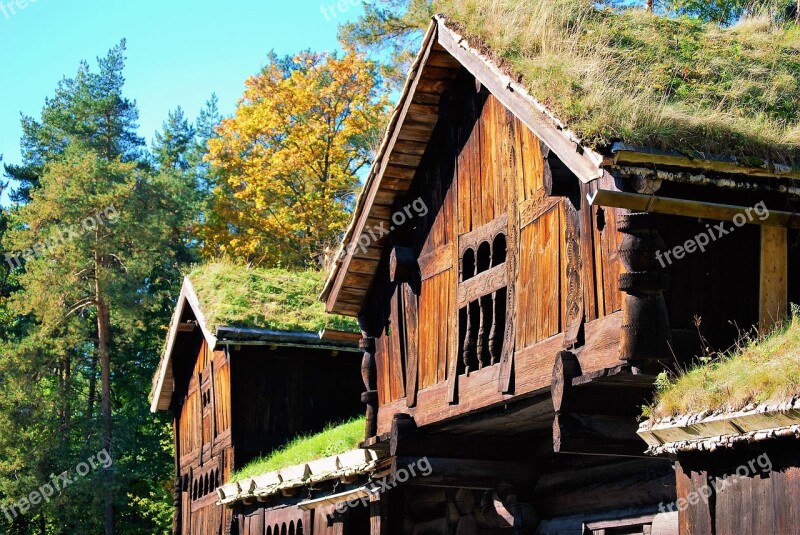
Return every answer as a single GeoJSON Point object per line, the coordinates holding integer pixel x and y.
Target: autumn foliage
{"type": "Point", "coordinates": [288, 162]}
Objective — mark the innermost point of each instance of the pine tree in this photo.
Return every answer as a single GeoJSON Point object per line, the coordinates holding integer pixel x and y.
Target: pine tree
{"type": "Point", "coordinates": [89, 109]}
{"type": "Point", "coordinates": [172, 148]}
{"type": "Point", "coordinates": [102, 235]}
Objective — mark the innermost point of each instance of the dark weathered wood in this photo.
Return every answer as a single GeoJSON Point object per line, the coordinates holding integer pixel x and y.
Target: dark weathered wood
{"type": "Point", "coordinates": [521, 105]}
{"type": "Point", "coordinates": [565, 368]}
{"type": "Point", "coordinates": [403, 264]}
{"type": "Point", "coordinates": [773, 294]}
{"type": "Point", "coordinates": [506, 356]}
{"type": "Point", "coordinates": [466, 473]}
{"type": "Point", "coordinates": [638, 202]}
{"type": "Point", "coordinates": [486, 233]}
{"type": "Point", "coordinates": [532, 209]}
{"type": "Point", "coordinates": [573, 290]}
{"type": "Point", "coordinates": [597, 435]}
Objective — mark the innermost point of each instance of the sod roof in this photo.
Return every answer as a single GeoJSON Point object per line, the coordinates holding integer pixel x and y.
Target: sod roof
{"type": "Point", "coordinates": [674, 84]}
{"type": "Point", "coordinates": [763, 371]}
{"type": "Point", "coordinates": [233, 295]}
{"type": "Point", "coordinates": [333, 440]}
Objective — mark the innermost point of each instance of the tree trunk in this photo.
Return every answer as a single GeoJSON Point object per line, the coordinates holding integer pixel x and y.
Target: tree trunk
{"type": "Point", "coordinates": [92, 387]}
{"type": "Point", "coordinates": [650, 5]}
{"type": "Point", "coordinates": [103, 337]}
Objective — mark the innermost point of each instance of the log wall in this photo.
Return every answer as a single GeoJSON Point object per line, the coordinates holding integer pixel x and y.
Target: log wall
{"type": "Point", "coordinates": [749, 490]}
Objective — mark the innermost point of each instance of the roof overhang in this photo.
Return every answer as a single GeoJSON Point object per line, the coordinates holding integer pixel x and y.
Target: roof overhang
{"type": "Point", "coordinates": [348, 467]}
{"type": "Point", "coordinates": [163, 383]}
{"type": "Point", "coordinates": [443, 53]}
{"type": "Point", "coordinates": [709, 431]}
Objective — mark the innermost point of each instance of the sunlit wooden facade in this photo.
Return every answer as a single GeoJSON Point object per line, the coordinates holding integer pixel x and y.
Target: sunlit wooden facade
{"type": "Point", "coordinates": [516, 316]}
{"type": "Point", "coordinates": [237, 394]}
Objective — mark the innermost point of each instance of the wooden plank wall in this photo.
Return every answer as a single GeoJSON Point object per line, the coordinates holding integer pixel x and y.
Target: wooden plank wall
{"type": "Point", "coordinates": [762, 500]}
{"type": "Point", "coordinates": [281, 393]}
{"type": "Point", "coordinates": [204, 421]}
{"type": "Point", "coordinates": [478, 150]}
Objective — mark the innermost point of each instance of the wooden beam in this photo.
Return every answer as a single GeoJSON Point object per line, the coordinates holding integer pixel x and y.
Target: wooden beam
{"type": "Point", "coordinates": [461, 473]}
{"type": "Point", "coordinates": [625, 154]}
{"type": "Point", "coordinates": [339, 336]}
{"type": "Point", "coordinates": [638, 202]}
{"type": "Point", "coordinates": [585, 434]}
{"type": "Point", "coordinates": [773, 289]}
{"type": "Point", "coordinates": [406, 440]}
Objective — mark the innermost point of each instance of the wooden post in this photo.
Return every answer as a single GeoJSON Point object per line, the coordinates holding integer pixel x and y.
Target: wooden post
{"type": "Point", "coordinates": [773, 293]}
{"type": "Point", "coordinates": [370, 395]}
{"type": "Point", "coordinates": [646, 336]}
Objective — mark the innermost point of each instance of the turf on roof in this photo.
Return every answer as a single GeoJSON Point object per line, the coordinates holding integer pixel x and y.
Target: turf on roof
{"type": "Point", "coordinates": [765, 370]}
{"type": "Point", "coordinates": [333, 440]}
{"type": "Point", "coordinates": [239, 296]}
{"type": "Point", "coordinates": [670, 83]}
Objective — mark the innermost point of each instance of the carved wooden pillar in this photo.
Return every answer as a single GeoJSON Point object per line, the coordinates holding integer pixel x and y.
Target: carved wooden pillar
{"type": "Point", "coordinates": [369, 376]}
{"type": "Point", "coordinates": [646, 336]}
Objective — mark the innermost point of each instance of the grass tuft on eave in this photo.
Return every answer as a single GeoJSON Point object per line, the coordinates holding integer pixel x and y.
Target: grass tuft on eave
{"type": "Point", "coordinates": [233, 295]}
{"type": "Point", "coordinates": [675, 84]}
{"type": "Point", "coordinates": [762, 370]}
{"type": "Point", "coordinates": [333, 440]}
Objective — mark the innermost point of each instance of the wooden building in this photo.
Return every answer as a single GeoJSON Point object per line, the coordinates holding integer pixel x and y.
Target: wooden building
{"type": "Point", "coordinates": [516, 310]}
{"type": "Point", "coordinates": [737, 472]}
{"type": "Point", "coordinates": [237, 388]}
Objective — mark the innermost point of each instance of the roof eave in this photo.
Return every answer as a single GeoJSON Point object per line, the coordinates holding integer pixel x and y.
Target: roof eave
{"type": "Point", "coordinates": [161, 397]}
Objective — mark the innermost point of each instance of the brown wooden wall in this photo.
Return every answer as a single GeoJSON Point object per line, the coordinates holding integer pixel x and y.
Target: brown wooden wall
{"type": "Point", "coordinates": [234, 407]}
{"type": "Point", "coordinates": [483, 170]}
{"type": "Point", "coordinates": [482, 165]}
{"type": "Point", "coordinates": [762, 501]}
{"type": "Point", "coordinates": [203, 426]}
{"type": "Point", "coordinates": [280, 393]}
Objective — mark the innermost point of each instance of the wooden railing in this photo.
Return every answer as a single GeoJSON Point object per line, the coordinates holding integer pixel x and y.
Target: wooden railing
{"type": "Point", "coordinates": [482, 293]}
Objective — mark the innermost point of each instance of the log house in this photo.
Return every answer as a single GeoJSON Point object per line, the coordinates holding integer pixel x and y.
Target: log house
{"type": "Point", "coordinates": [237, 392]}
{"type": "Point", "coordinates": [513, 331]}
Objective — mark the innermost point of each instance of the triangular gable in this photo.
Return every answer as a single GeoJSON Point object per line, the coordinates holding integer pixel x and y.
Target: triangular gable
{"type": "Point", "coordinates": [443, 53]}
{"type": "Point", "coordinates": [163, 384]}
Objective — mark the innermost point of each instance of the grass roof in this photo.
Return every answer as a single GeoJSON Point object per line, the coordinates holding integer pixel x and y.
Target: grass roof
{"type": "Point", "coordinates": [233, 295]}
{"type": "Point", "coordinates": [761, 370]}
{"type": "Point", "coordinates": [674, 84]}
{"type": "Point", "coordinates": [333, 440]}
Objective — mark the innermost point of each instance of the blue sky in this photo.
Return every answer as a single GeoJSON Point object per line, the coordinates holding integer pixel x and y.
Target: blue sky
{"type": "Point", "coordinates": [179, 51]}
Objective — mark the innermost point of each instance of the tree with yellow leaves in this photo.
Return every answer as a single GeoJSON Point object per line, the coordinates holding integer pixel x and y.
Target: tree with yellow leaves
{"type": "Point", "coordinates": [288, 162]}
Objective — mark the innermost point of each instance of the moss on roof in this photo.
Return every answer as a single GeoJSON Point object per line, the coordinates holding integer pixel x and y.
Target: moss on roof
{"type": "Point", "coordinates": [239, 296]}
{"type": "Point", "coordinates": [333, 440]}
{"type": "Point", "coordinates": [763, 370]}
{"type": "Point", "coordinates": [670, 83]}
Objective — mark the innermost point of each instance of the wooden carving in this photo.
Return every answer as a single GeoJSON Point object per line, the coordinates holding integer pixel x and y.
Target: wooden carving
{"type": "Point", "coordinates": [482, 284]}
{"type": "Point", "coordinates": [574, 270]}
